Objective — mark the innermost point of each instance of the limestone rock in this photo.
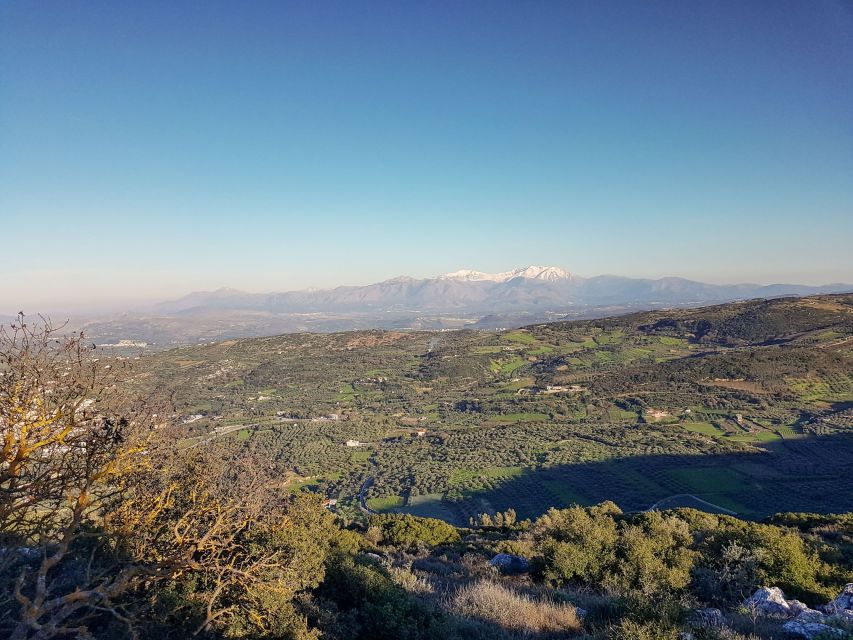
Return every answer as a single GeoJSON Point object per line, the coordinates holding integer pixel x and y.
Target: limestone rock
{"type": "Point", "coordinates": [809, 630]}
{"type": "Point", "coordinates": [844, 601]}
{"type": "Point", "coordinates": [770, 601]}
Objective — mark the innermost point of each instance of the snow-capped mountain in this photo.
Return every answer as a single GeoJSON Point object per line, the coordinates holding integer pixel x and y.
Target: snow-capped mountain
{"type": "Point", "coordinates": [454, 300]}
{"type": "Point", "coordinates": [532, 289]}
{"type": "Point", "coordinates": [531, 273]}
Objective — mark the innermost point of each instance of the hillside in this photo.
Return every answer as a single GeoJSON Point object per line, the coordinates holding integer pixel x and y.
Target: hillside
{"type": "Point", "coordinates": [742, 408]}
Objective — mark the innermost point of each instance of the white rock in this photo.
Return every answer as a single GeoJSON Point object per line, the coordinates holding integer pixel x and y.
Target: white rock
{"type": "Point", "coordinates": [770, 601]}
{"type": "Point", "coordinates": [843, 602]}
{"type": "Point", "coordinates": [809, 630]}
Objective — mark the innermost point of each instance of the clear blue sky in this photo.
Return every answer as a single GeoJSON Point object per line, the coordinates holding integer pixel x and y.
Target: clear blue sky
{"type": "Point", "coordinates": [149, 148]}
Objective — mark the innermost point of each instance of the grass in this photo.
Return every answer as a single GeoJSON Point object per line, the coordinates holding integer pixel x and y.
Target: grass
{"type": "Point", "coordinates": [429, 505]}
{"type": "Point", "coordinates": [618, 415]}
{"type": "Point", "coordinates": [541, 350]}
{"type": "Point", "coordinates": [571, 347]}
{"type": "Point", "coordinates": [521, 383]}
{"type": "Point", "coordinates": [520, 337]}
{"type": "Point", "coordinates": [386, 503]}
{"type": "Point", "coordinates": [494, 603]}
{"type": "Point", "coordinates": [705, 428]}
{"type": "Point", "coordinates": [614, 337]}
{"type": "Point", "coordinates": [347, 392]}
{"type": "Point", "coordinates": [506, 367]}
{"type": "Point", "coordinates": [460, 476]}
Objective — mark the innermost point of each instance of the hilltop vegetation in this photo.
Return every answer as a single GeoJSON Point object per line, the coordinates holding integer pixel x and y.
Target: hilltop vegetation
{"type": "Point", "coordinates": [742, 408]}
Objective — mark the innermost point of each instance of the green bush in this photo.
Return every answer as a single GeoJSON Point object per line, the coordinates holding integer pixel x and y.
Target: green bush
{"type": "Point", "coordinates": [653, 555]}
{"type": "Point", "coordinates": [404, 530]}
{"type": "Point", "coordinates": [576, 544]}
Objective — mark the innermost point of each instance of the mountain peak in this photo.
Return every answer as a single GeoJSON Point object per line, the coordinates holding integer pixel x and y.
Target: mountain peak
{"type": "Point", "coordinates": [530, 273]}
{"type": "Point", "coordinates": [542, 273]}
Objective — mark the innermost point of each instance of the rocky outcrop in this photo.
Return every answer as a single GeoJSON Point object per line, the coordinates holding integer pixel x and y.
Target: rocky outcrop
{"type": "Point", "coordinates": [843, 603]}
{"type": "Point", "coordinates": [813, 630]}
{"type": "Point", "coordinates": [835, 620]}
{"type": "Point", "coordinates": [709, 618]}
{"type": "Point", "coordinates": [771, 602]}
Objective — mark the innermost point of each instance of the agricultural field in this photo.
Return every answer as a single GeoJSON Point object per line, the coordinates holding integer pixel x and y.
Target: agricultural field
{"type": "Point", "coordinates": [746, 407]}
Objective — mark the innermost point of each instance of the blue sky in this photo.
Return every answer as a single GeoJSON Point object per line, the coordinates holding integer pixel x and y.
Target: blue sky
{"type": "Point", "coordinates": [151, 148]}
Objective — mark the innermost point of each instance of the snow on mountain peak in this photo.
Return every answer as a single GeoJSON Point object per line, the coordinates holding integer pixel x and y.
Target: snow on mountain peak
{"type": "Point", "coordinates": [467, 275]}
{"type": "Point", "coordinates": [530, 273]}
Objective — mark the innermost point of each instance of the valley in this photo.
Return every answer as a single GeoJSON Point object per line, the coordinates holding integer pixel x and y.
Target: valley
{"type": "Point", "coordinates": [742, 408]}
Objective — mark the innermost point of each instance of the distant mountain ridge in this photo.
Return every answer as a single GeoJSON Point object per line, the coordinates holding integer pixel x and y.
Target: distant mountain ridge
{"type": "Point", "coordinates": [528, 289]}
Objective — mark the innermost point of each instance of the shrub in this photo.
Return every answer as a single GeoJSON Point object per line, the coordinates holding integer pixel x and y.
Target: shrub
{"type": "Point", "coordinates": [576, 544]}
{"type": "Point", "coordinates": [631, 630]}
{"type": "Point", "coordinates": [405, 531]}
{"type": "Point", "coordinates": [370, 605]}
{"type": "Point", "coordinates": [654, 554]}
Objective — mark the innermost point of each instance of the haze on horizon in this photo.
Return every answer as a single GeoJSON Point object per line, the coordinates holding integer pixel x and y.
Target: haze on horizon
{"type": "Point", "coordinates": [147, 151]}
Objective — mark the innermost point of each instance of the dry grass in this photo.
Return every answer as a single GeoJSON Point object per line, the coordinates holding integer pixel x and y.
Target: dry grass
{"type": "Point", "coordinates": [410, 581]}
{"type": "Point", "coordinates": [492, 602]}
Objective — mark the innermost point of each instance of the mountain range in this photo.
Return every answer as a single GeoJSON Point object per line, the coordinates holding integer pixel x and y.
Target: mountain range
{"type": "Point", "coordinates": [529, 289]}
{"type": "Point", "coordinates": [466, 298]}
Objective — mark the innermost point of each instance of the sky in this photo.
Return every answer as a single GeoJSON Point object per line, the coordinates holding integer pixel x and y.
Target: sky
{"type": "Point", "coordinates": [149, 149]}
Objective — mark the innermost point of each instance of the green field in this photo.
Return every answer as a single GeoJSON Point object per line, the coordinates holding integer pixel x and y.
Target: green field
{"type": "Point", "coordinates": [520, 337]}
{"type": "Point", "coordinates": [705, 428]}
{"type": "Point", "coordinates": [461, 476]}
{"type": "Point", "coordinates": [388, 503]}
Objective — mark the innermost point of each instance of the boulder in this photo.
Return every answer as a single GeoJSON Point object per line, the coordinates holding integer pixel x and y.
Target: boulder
{"type": "Point", "coordinates": [510, 563]}
{"type": "Point", "coordinates": [805, 622]}
{"type": "Point", "coordinates": [770, 601]}
{"type": "Point", "coordinates": [801, 609]}
{"type": "Point", "coordinates": [709, 618]}
{"type": "Point", "coordinates": [844, 601]}
{"type": "Point", "coordinates": [808, 629]}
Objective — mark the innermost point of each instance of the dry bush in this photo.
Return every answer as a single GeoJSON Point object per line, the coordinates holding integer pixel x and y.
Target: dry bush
{"type": "Point", "coordinates": [410, 581]}
{"type": "Point", "coordinates": [491, 602]}
{"type": "Point", "coordinates": [68, 439]}
{"type": "Point", "coordinates": [99, 511]}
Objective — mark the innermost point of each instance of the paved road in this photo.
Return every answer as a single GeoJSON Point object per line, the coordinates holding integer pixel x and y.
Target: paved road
{"type": "Point", "coordinates": [690, 495]}
{"type": "Point", "coordinates": [362, 501]}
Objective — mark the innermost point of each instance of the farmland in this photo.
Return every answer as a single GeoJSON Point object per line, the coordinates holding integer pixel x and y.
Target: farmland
{"type": "Point", "coordinates": [745, 406]}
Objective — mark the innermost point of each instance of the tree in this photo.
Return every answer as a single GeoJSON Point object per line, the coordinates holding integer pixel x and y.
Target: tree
{"type": "Point", "coordinates": [576, 543]}
{"type": "Point", "coordinates": [653, 554]}
{"type": "Point", "coordinates": [64, 450]}
{"type": "Point", "coordinates": [104, 521]}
